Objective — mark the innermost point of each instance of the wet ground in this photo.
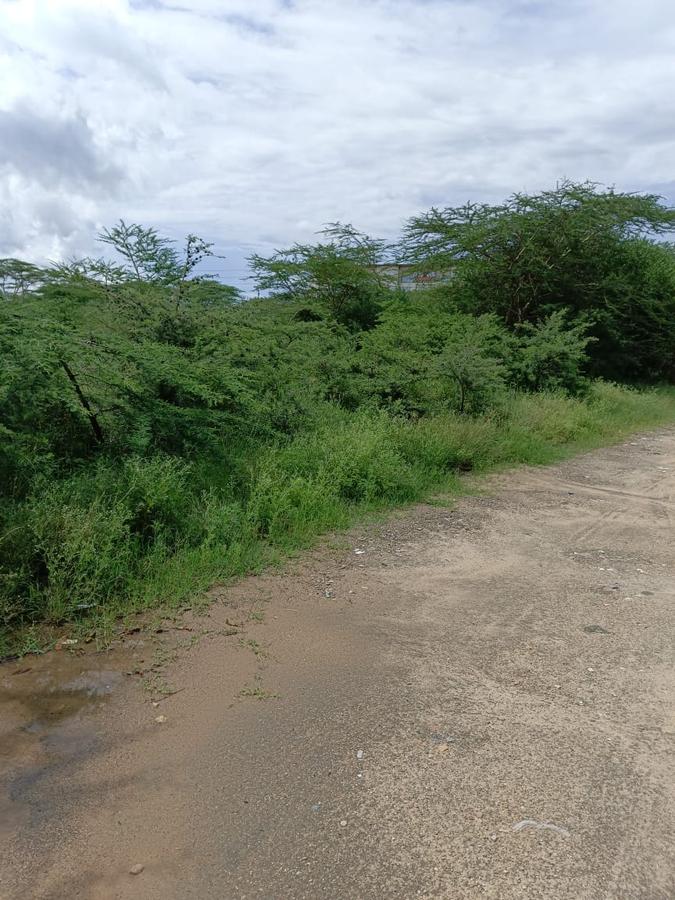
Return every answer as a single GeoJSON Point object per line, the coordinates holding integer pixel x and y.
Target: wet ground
{"type": "Point", "coordinates": [458, 703]}
{"type": "Point", "coordinates": [48, 724]}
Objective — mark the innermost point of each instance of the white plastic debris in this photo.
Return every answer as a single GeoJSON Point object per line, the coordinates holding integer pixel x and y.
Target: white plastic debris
{"type": "Point", "coordinates": [540, 826]}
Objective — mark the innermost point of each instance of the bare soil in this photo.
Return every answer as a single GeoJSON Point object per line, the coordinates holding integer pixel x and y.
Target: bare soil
{"type": "Point", "coordinates": [461, 702]}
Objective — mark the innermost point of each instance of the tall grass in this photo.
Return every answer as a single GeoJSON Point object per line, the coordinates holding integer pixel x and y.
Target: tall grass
{"type": "Point", "coordinates": [148, 532]}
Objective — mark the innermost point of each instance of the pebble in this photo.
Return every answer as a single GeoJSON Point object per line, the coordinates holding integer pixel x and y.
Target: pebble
{"type": "Point", "coordinates": [65, 642]}
{"type": "Point", "coordinates": [160, 720]}
{"type": "Point", "coordinates": [137, 869]}
{"type": "Point", "coordinates": [343, 823]}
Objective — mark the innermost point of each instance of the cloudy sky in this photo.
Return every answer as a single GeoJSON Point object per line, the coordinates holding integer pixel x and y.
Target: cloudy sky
{"type": "Point", "coordinates": [252, 122]}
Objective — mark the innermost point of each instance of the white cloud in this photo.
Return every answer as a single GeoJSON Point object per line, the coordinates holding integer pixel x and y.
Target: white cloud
{"type": "Point", "coordinates": [253, 122]}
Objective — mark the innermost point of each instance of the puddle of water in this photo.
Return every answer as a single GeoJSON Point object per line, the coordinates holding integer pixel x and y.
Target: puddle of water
{"type": "Point", "coordinates": [46, 722]}
{"type": "Point", "coordinates": [49, 691]}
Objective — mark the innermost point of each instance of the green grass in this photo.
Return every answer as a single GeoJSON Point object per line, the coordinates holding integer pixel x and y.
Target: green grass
{"type": "Point", "coordinates": [152, 532]}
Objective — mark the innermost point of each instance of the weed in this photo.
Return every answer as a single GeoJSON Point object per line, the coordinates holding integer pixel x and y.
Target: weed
{"type": "Point", "coordinates": [257, 692]}
{"type": "Point", "coordinates": [255, 647]}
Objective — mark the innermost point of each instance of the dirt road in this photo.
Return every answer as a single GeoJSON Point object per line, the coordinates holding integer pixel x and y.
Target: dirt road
{"type": "Point", "coordinates": [466, 702]}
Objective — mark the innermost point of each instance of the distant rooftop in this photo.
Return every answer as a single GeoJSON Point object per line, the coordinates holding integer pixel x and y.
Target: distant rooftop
{"type": "Point", "coordinates": [407, 278]}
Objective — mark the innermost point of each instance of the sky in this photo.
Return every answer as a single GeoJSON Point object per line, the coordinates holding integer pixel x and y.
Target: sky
{"type": "Point", "coordinates": [254, 122]}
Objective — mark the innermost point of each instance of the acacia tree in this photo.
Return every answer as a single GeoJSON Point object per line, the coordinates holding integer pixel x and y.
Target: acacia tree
{"type": "Point", "coordinates": [340, 277]}
{"type": "Point", "coordinates": [578, 247]}
{"type": "Point", "coordinates": [18, 278]}
{"type": "Point", "coordinates": [147, 259]}
{"type": "Point", "coordinates": [102, 356]}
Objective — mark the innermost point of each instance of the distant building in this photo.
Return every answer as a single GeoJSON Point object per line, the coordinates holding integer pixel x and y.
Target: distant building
{"type": "Point", "coordinates": [406, 278]}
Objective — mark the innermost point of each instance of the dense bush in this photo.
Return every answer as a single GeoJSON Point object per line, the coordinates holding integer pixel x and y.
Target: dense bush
{"type": "Point", "coordinates": [158, 432]}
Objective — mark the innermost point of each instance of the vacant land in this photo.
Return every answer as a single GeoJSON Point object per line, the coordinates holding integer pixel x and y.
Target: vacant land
{"type": "Point", "coordinates": [462, 702]}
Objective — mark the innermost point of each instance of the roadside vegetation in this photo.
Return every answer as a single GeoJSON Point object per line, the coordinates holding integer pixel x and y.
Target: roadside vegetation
{"type": "Point", "coordinates": [159, 433]}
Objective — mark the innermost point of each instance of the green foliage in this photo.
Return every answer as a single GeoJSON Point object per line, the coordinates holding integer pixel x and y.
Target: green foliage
{"type": "Point", "coordinates": [90, 371]}
{"type": "Point", "coordinates": [549, 355]}
{"type": "Point", "coordinates": [338, 279]}
{"type": "Point", "coordinates": [576, 248]}
{"type": "Point", "coordinates": [158, 433]}
{"type": "Point", "coordinates": [18, 277]}
{"type": "Point", "coordinates": [635, 326]}
{"type": "Point", "coordinates": [422, 359]}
